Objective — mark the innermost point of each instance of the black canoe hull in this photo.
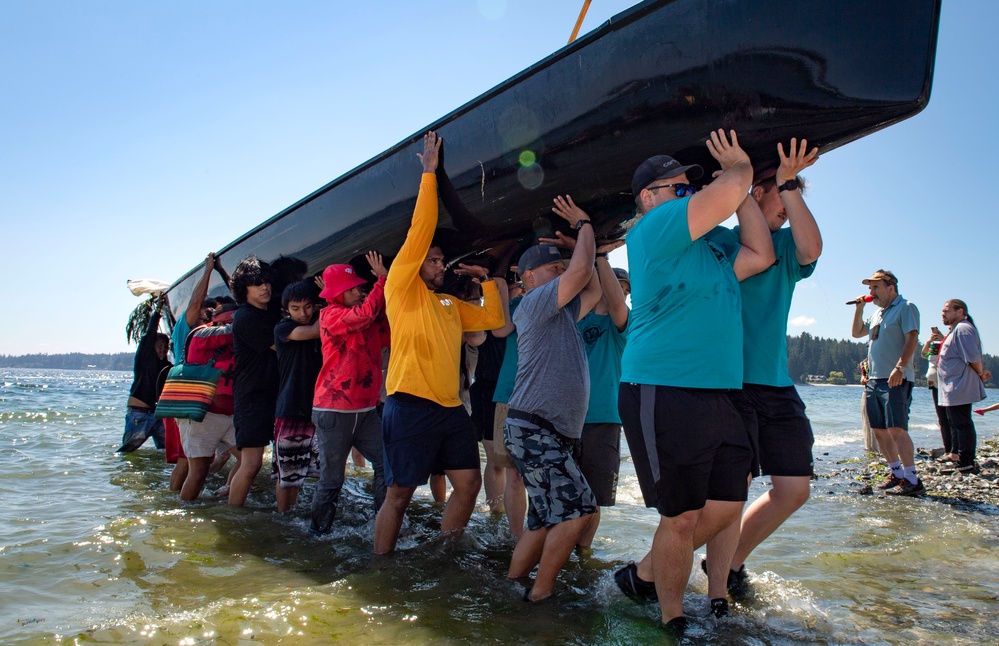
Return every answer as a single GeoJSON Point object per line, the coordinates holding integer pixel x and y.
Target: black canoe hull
{"type": "Point", "coordinates": [654, 79]}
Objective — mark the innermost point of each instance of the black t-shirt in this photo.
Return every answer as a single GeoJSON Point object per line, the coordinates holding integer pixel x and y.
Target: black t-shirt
{"type": "Point", "coordinates": [256, 363]}
{"type": "Point", "coordinates": [146, 385]}
{"type": "Point", "coordinates": [299, 363]}
{"type": "Point", "coordinates": [490, 360]}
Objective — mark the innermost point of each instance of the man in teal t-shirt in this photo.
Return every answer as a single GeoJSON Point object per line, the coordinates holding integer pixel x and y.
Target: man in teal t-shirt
{"type": "Point", "coordinates": [691, 452]}
{"type": "Point", "coordinates": [603, 338]}
{"type": "Point", "coordinates": [770, 406]}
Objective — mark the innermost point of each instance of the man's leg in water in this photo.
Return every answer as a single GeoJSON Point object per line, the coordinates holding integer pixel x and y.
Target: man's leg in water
{"type": "Point", "coordinates": [721, 535]}
{"type": "Point", "coordinates": [558, 546]}
{"type": "Point", "coordinates": [438, 487]}
{"type": "Point", "coordinates": [178, 475]}
{"type": "Point", "coordinates": [515, 499]}
{"type": "Point", "coordinates": [389, 519]}
{"type": "Point", "coordinates": [196, 475]}
{"type": "Point", "coordinates": [251, 459]}
{"type": "Point", "coordinates": [768, 512]}
{"type": "Point", "coordinates": [715, 516]}
{"type": "Point", "coordinates": [672, 557]}
{"type": "Point", "coordinates": [527, 553]}
{"type": "Point", "coordinates": [461, 504]}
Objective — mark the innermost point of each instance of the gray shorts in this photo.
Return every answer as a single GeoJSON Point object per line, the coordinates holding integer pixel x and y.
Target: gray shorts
{"type": "Point", "coordinates": [556, 488]}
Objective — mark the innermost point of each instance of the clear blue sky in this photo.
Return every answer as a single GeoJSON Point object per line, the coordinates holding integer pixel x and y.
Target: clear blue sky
{"type": "Point", "coordinates": [126, 126]}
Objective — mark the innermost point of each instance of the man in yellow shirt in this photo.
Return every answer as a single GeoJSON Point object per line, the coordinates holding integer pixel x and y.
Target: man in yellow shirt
{"type": "Point", "coordinates": [425, 426]}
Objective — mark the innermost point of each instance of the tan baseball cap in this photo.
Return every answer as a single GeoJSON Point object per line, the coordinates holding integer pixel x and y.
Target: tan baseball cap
{"type": "Point", "coordinates": [882, 275]}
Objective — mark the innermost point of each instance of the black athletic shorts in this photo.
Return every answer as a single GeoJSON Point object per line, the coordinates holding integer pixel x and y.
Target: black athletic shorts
{"type": "Point", "coordinates": [480, 394]}
{"type": "Point", "coordinates": [600, 460]}
{"type": "Point", "coordinates": [422, 437]}
{"type": "Point", "coordinates": [254, 423]}
{"type": "Point", "coordinates": [782, 434]}
{"type": "Point", "coordinates": [688, 445]}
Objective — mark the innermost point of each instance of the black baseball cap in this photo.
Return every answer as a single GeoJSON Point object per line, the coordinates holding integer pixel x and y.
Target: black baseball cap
{"type": "Point", "coordinates": [661, 167]}
{"type": "Point", "coordinates": [538, 255]}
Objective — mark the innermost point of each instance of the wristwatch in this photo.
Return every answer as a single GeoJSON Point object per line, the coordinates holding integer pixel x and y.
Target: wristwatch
{"type": "Point", "coordinates": [789, 185]}
{"type": "Point", "coordinates": [579, 224]}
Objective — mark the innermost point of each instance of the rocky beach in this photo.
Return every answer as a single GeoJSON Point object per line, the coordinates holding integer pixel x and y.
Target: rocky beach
{"type": "Point", "coordinates": [942, 481]}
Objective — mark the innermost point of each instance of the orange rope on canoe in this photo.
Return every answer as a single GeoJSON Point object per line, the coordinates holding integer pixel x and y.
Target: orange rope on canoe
{"type": "Point", "coordinates": [579, 21]}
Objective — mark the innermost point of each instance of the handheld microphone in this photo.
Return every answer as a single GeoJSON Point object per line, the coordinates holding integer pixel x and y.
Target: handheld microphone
{"type": "Point", "coordinates": [863, 299]}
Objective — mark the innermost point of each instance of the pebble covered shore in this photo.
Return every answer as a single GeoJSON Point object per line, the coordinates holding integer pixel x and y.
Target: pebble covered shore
{"type": "Point", "coordinates": [942, 482]}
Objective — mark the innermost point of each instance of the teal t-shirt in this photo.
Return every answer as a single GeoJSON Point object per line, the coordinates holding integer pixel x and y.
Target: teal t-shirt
{"type": "Point", "coordinates": [179, 337]}
{"type": "Point", "coordinates": [685, 328]}
{"type": "Point", "coordinates": [604, 346]}
{"type": "Point", "coordinates": [508, 371]}
{"type": "Point", "coordinates": [766, 301]}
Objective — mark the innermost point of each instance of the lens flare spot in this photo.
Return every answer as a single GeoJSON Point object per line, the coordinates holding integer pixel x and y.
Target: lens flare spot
{"type": "Point", "coordinates": [527, 158]}
{"type": "Point", "coordinates": [492, 9]}
{"type": "Point", "coordinates": [531, 177]}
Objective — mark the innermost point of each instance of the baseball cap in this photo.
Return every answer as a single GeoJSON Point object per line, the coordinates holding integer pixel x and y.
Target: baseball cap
{"type": "Point", "coordinates": [661, 167]}
{"type": "Point", "coordinates": [881, 274]}
{"type": "Point", "coordinates": [337, 279]}
{"type": "Point", "coordinates": [622, 274]}
{"type": "Point", "coordinates": [538, 255]}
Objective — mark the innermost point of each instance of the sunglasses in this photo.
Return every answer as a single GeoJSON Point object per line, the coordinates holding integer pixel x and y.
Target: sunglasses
{"type": "Point", "coordinates": [680, 189]}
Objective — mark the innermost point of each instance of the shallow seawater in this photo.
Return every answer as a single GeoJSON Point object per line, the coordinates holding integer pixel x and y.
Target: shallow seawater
{"type": "Point", "coordinates": [95, 549]}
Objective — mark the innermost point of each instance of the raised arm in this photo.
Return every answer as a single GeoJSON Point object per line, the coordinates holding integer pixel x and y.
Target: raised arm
{"type": "Point", "coordinates": [804, 229]}
{"type": "Point", "coordinates": [859, 327]}
{"type": "Point", "coordinates": [406, 266]}
{"type": "Point", "coordinates": [712, 206]}
{"type": "Point", "coordinates": [580, 270]}
{"type": "Point", "coordinates": [193, 312]}
{"type": "Point", "coordinates": [590, 296]}
{"type": "Point", "coordinates": [504, 294]}
{"type": "Point", "coordinates": [756, 252]}
{"type": "Point", "coordinates": [610, 286]}
{"type": "Point", "coordinates": [360, 317]}
{"type": "Point", "coordinates": [219, 268]}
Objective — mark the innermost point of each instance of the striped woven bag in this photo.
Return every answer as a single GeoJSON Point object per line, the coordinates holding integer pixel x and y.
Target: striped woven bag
{"type": "Point", "coordinates": [188, 392]}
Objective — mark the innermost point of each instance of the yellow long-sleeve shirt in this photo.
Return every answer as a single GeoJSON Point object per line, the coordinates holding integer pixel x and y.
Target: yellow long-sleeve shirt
{"type": "Point", "coordinates": [426, 328]}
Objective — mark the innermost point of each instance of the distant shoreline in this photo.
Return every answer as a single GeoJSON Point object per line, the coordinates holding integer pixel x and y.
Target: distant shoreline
{"type": "Point", "coordinates": [70, 361]}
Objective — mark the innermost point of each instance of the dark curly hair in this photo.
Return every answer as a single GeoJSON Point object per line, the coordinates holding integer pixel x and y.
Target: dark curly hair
{"type": "Point", "coordinates": [250, 271]}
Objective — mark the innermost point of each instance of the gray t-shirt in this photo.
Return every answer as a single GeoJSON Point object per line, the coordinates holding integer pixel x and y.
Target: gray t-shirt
{"type": "Point", "coordinates": [888, 328]}
{"type": "Point", "coordinates": [553, 379]}
{"type": "Point", "coordinates": [959, 383]}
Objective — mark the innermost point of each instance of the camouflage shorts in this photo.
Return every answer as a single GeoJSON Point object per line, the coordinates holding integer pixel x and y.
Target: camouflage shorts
{"type": "Point", "coordinates": [556, 488]}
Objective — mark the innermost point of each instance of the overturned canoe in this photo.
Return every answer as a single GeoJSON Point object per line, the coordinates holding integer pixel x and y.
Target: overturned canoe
{"type": "Point", "coordinates": [656, 78]}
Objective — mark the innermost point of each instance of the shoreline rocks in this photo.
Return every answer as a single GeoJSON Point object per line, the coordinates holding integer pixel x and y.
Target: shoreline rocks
{"type": "Point", "coordinates": [942, 482]}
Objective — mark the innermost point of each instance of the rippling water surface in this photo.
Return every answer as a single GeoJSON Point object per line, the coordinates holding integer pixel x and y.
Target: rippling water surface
{"type": "Point", "coordinates": [95, 549]}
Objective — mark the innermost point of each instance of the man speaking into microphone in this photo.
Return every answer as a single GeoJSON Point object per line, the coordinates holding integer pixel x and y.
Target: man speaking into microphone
{"type": "Point", "coordinates": [893, 331]}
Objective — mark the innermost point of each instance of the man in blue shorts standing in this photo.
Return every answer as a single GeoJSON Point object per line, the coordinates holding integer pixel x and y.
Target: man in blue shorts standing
{"type": "Point", "coordinates": [690, 449]}
{"type": "Point", "coordinates": [548, 405]}
{"type": "Point", "coordinates": [894, 335]}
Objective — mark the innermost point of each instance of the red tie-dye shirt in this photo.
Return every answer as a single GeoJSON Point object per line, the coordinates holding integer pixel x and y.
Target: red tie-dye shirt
{"type": "Point", "coordinates": [352, 339]}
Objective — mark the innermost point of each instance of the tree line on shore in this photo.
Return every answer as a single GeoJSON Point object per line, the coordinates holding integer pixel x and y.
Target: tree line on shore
{"type": "Point", "coordinates": [70, 361]}
{"type": "Point", "coordinates": [812, 358]}
{"type": "Point", "coordinates": [824, 360]}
